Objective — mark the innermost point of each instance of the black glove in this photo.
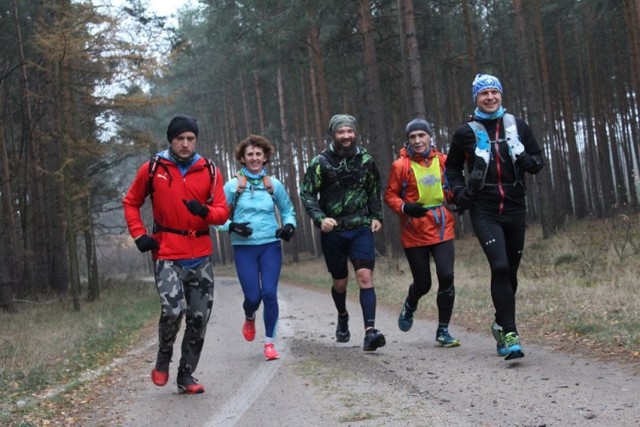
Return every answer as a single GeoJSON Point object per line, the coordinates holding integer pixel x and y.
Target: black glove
{"type": "Point", "coordinates": [285, 233]}
{"type": "Point", "coordinates": [146, 243]}
{"type": "Point", "coordinates": [415, 210]}
{"type": "Point", "coordinates": [196, 208]}
{"type": "Point", "coordinates": [241, 228]}
{"type": "Point", "coordinates": [464, 199]}
{"type": "Point", "coordinates": [526, 162]}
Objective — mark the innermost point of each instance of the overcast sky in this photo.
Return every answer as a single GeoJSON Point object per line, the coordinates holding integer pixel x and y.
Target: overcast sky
{"type": "Point", "coordinates": [167, 7]}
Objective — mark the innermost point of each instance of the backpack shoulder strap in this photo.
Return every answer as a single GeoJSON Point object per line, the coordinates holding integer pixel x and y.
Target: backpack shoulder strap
{"type": "Point", "coordinates": [406, 165]}
{"type": "Point", "coordinates": [476, 126]}
{"type": "Point", "coordinates": [212, 176]}
{"type": "Point", "coordinates": [154, 163]}
{"type": "Point", "coordinates": [266, 180]}
{"type": "Point", "coordinates": [325, 158]}
{"type": "Point", "coordinates": [508, 120]}
{"type": "Point", "coordinates": [242, 183]}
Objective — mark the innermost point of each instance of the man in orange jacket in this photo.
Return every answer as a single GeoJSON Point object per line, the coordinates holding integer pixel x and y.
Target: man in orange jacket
{"type": "Point", "coordinates": [187, 196]}
{"type": "Point", "coordinates": [417, 192]}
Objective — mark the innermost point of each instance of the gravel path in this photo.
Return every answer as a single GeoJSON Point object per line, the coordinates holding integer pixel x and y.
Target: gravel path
{"type": "Point", "coordinates": [319, 382]}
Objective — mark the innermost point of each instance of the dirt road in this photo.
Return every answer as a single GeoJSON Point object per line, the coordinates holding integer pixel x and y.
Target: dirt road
{"type": "Point", "coordinates": [318, 382]}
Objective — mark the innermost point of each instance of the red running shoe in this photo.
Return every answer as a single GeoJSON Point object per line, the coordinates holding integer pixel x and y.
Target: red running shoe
{"type": "Point", "coordinates": [159, 378]}
{"type": "Point", "coordinates": [187, 384]}
{"type": "Point", "coordinates": [270, 352]}
{"type": "Point", "coordinates": [160, 374]}
{"type": "Point", "coordinates": [249, 329]}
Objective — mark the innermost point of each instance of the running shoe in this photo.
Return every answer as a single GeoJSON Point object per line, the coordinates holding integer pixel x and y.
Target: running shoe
{"type": "Point", "coordinates": [498, 335]}
{"type": "Point", "coordinates": [270, 352]}
{"type": "Point", "coordinates": [160, 374]}
{"type": "Point", "coordinates": [187, 384]}
{"type": "Point", "coordinates": [249, 329]}
{"type": "Point", "coordinates": [513, 349]}
{"type": "Point", "coordinates": [405, 320]}
{"type": "Point", "coordinates": [373, 339]}
{"type": "Point", "coordinates": [342, 330]}
{"type": "Point", "coordinates": [444, 338]}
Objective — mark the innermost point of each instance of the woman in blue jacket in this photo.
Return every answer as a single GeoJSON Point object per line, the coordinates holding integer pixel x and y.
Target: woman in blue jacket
{"type": "Point", "coordinates": [253, 197]}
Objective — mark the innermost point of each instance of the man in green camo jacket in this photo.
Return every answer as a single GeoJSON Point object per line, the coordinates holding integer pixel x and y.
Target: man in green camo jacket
{"type": "Point", "coordinates": [341, 193]}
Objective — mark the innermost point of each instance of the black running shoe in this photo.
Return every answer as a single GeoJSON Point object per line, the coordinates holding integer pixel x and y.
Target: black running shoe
{"type": "Point", "coordinates": [373, 339]}
{"type": "Point", "coordinates": [342, 330]}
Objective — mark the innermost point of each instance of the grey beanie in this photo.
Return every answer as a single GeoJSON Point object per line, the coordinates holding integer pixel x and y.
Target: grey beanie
{"type": "Point", "coordinates": [340, 120]}
{"type": "Point", "coordinates": [419, 124]}
{"type": "Point", "coordinates": [180, 124]}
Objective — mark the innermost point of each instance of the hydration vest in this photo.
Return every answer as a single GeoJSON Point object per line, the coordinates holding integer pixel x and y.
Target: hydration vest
{"type": "Point", "coordinates": [483, 143]}
{"type": "Point", "coordinates": [340, 175]}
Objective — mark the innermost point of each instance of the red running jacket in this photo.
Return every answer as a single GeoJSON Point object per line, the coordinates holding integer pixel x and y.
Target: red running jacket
{"type": "Point", "coordinates": [423, 231]}
{"type": "Point", "coordinates": [170, 188]}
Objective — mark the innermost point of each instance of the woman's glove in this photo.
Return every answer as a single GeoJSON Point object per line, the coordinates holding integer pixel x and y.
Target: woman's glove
{"type": "Point", "coordinates": [415, 210]}
{"type": "Point", "coordinates": [285, 233]}
{"type": "Point", "coordinates": [241, 228]}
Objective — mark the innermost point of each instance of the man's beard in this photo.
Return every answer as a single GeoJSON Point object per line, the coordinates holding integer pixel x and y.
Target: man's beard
{"type": "Point", "coordinates": [345, 152]}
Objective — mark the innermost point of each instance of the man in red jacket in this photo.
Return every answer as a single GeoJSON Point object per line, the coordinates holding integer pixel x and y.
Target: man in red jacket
{"type": "Point", "coordinates": [186, 192]}
{"type": "Point", "coordinates": [417, 192]}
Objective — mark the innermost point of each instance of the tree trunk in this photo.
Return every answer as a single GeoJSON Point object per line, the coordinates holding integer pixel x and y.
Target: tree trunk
{"type": "Point", "coordinates": [576, 180]}
{"type": "Point", "coordinates": [11, 249]}
{"type": "Point", "coordinates": [413, 55]}
{"type": "Point", "coordinates": [544, 177]}
{"type": "Point", "coordinates": [468, 32]}
{"type": "Point", "coordinates": [406, 82]}
{"type": "Point", "coordinates": [93, 279]}
{"type": "Point", "coordinates": [378, 135]}
{"type": "Point", "coordinates": [285, 149]}
{"type": "Point", "coordinates": [597, 110]}
{"type": "Point", "coordinates": [320, 77]}
{"type": "Point", "coordinates": [245, 105]}
{"type": "Point", "coordinates": [261, 119]}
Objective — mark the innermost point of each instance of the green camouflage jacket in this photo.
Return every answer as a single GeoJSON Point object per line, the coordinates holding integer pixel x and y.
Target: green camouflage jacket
{"type": "Point", "coordinates": [348, 191]}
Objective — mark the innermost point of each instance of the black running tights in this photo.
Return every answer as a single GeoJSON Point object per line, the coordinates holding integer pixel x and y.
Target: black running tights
{"type": "Point", "coordinates": [443, 256]}
{"type": "Point", "coordinates": [502, 239]}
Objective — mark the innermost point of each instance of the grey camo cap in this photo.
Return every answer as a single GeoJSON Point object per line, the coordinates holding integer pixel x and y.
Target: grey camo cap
{"type": "Point", "coordinates": [340, 120]}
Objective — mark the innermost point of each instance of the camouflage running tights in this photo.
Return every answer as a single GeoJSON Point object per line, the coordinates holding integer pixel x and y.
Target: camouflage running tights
{"type": "Point", "coordinates": [188, 293]}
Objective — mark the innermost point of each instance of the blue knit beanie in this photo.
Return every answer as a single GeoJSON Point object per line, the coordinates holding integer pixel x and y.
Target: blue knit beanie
{"type": "Point", "coordinates": [483, 82]}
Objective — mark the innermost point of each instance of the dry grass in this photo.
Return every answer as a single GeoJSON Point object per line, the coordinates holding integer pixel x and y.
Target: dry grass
{"type": "Point", "coordinates": [48, 345]}
{"type": "Point", "coordinates": [578, 291]}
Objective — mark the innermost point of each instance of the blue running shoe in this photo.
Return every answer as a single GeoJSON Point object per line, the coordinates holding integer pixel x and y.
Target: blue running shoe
{"type": "Point", "coordinates": [444, 339]}
{"type": "Point", "coordinates": [498, 335]}
{"type": "Point", "coordinates": [512, 346]}
{"type": "Point", "coordinates": [405, 320]}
